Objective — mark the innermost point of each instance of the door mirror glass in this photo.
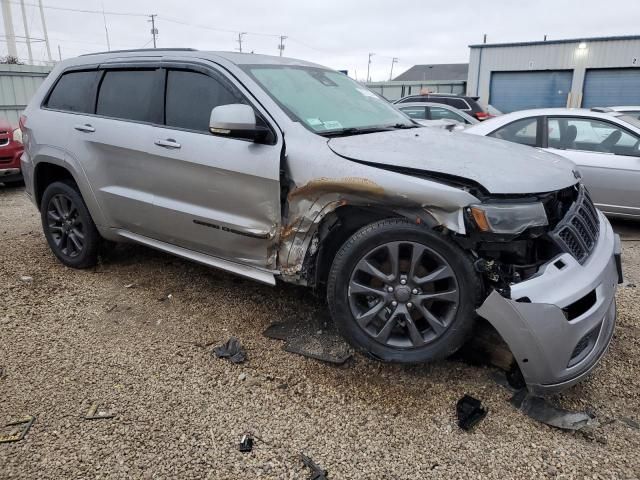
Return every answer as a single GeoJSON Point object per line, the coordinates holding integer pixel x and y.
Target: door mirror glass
{"type": "Point", "coordinates": [236, 121]}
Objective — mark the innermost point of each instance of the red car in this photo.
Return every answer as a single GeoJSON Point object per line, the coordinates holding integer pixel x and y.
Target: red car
{"type": "Point", "coordinates": [11, 149]}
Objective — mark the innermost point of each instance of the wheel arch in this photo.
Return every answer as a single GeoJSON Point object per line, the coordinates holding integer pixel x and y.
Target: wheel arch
{"type": "Point", "coordinates": [49, 169]}
{"type": "Point", "coordinates": [335, 228]}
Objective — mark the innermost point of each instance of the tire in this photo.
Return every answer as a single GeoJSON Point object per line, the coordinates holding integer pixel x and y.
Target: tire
{"type": "Point", "coordinates": [68, 226]}
{"type": "Point", "coordinates": [434, 309]}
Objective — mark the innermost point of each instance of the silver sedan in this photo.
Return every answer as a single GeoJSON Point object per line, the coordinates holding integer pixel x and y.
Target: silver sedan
{"type": "Point", "coordinates": [603, 143]}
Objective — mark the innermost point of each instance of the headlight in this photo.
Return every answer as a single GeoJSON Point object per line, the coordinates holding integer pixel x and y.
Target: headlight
{"type": "Point", "coordinates": [511, 218]}
{"type": "Point", "coordinates": [17, 135]}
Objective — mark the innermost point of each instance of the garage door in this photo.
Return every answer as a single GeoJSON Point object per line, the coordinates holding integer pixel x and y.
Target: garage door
{"type": "Point", "coordinates": [611, 86]}
{"type": "Point", "coordinates": [511, 91]}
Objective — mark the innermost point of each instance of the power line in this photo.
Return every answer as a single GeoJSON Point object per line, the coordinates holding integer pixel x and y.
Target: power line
{"type": "Point", "coordinates": [82, 10]}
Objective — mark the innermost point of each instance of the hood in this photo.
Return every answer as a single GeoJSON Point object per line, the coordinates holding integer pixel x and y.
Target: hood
{"type": "Point", "coordinates": [500, 167]}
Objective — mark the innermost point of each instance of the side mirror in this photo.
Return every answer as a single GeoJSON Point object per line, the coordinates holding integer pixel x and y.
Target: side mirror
{"type": "Point", "coordinates": [236, 121]}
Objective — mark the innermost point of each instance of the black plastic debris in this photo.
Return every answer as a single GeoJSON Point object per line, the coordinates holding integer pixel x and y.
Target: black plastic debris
{"type": "Point", "coordinates": [232, 350]}
{"type": "Point", "coordinates": [470, 411]}
{"type": "Point", "coordinates": [246, 443]}
{"type": "Point", "coordinates": [17, 430]}
{"type": "Point", "coordinates": [314, 337]}
{"type": "Point", "coordinates": [541, 410]}
{"type": "Point", "coordinates": [317, 473]}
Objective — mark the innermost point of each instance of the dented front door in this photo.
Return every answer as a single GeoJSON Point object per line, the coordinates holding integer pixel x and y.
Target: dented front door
{"type": "Point", "coordinates": [215, 195]}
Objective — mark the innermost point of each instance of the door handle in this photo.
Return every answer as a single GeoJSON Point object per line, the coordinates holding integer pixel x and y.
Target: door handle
{"type": "Point", "coordinates": [168, 143]}
{"type": "Point", "coordinates": [85, 128]}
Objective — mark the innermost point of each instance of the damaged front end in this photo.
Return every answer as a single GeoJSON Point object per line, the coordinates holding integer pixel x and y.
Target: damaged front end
{"type": "Point", "coordinates": [552, 290]}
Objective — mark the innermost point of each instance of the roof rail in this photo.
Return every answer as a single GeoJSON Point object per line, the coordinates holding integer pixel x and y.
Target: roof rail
{"type": "Point", "coordinates": [602, 109]}
{"type": "Point", "coordinates": [133, 50]}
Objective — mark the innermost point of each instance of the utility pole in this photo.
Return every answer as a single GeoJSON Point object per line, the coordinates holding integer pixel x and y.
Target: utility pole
{"type": "Point", "coordinates": [281, 46]}
{"type": "Point", "coordinates": [9, 32]}
{"type": "Point", "coordinates": [240, 35]}
{"type": "Point", "coordinates": [26, 31]}
{"type": "Point", "coordinates": [154, 30]}
{"type": "Point", "coordinates": [369, 67]}
{"type": "Point", "coordinates": [44, 30]}
{"type": "Point", "coordinates": [393, 62]}
{"type": "Point", "coordinates": [59, 52]}
{"type": "Point", "coordinates": [106, 31]}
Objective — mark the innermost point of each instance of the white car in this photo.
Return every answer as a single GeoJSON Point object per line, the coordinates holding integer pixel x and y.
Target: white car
{"type": "Point", "coordinates": [603, 143]}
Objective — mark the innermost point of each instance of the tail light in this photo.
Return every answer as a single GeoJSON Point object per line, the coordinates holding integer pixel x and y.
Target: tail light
{"type": "Point", "coordinates": [482, 115]}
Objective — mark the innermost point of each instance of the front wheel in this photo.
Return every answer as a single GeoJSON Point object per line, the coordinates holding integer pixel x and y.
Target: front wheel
{"type": "Point", "coordinates": [403, 293]}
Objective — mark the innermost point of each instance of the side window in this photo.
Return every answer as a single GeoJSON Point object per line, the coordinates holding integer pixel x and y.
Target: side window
{"type": "Point", "coordinates": [458, 103]}
{"type": "Point", "coordinates": [415, 112]}
{"type": "Point", "coordinates": [130, 95]}
{"type": "Point", "coordinates": [591, 135]}
{"type": "Point", "coordinates": [75, 92]}
{"type": "Point", "coordinates": [523, 131]}
{"type": "Point", "coordinates": [191, 96]}
{"type": "Point", "coordinates": [439, 113]}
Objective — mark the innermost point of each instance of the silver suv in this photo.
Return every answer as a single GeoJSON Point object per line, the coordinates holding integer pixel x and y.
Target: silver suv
{"type": "Point", "coordinates": [275, 168]}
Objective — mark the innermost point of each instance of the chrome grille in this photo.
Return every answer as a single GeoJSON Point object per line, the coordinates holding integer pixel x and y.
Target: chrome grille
{"type": "Point", "coordinates": [579, 230]}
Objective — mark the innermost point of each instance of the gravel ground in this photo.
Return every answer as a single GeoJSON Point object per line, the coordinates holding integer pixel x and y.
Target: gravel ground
{"type": "Point", "coordinates": [71, 338]}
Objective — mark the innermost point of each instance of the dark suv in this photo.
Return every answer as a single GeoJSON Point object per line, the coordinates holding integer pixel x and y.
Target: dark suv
{"type": "Point", "coordinates": [468, 105]}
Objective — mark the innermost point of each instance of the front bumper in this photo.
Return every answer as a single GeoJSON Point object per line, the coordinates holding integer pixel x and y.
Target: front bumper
{"type": "Point", "coordinates": [10, 162]}
{"type": "Point", "coordinates": [559, 323]}
{"type": "Point", "coordinates": [10, 175]}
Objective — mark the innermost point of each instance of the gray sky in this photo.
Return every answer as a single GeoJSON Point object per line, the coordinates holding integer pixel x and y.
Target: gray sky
{"type": "Point", "coordinates": [339, 34]}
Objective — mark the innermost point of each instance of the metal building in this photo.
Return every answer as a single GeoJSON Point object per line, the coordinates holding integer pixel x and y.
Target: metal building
{"type": "Point", "coordinates": [18, 83]}
{"type": "Point", "coordinates": [586, 72]}
{"type": "Point", "coordinates": [435, 78]}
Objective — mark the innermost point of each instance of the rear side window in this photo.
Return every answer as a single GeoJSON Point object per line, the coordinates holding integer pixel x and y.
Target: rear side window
{"type": "Point", "coordinates": [457, 103]}
{"type": "Point", "coordinates": [524, 131]}
{"type": "Point", "coordinates": [130, 95]}
{"type": "Point", "coordinates": [191, 96]}
{"type": "Point", "coordinates": [75, 92]}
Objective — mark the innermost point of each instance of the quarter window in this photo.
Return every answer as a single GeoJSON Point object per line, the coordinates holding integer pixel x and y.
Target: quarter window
{"type": "Point", "coordinates": [591, 135]}
{"type": "Point", "coordinates": [191, 96]}
{"type": "Point", "coordinates": [130, 95]}
{"type": "Point", "coordinates": [523, 131]}
{"type": "Point", "coordinates": [75, 92]}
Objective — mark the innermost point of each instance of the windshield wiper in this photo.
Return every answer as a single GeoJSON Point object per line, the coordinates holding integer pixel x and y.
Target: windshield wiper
{"type": "Point", "coordinates": [343, 132]}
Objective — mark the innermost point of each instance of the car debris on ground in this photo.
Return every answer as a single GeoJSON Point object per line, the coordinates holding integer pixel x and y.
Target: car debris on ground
{"type": "Point", "coordinates": [313, 337]}
{"type": "Point", "coordinates": [542, 410]}
{"type": "Point", "coordinates": [231, 350]}
{"type": "Point", "coordinates": [95, 412]}
{"type": "Point", "coordinates": [18, 429]}
{"type": "Point", "coordinates": [317, 473]}
{"type": "Point", "coordinates": [246, 443]}
{"type": "Point", "coordinates": [470, 412]}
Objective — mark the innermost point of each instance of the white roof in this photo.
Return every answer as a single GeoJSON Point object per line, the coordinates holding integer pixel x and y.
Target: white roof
{"type": "Point", "coordinates": [488, 126]}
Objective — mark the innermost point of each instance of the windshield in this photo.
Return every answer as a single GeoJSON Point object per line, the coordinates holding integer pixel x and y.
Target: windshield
{"type": "Point", "coordinates": [325, 101]}
{"type": "Point", "coordinates": [632, 119]}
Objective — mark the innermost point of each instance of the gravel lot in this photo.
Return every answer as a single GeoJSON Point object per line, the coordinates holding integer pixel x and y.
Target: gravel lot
{"type": "Point", "coordinates": [71, 338]}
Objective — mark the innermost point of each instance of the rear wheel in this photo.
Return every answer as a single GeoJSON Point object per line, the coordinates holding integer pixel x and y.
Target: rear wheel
{"type": "Point", "coordinates": [403, 293]}
{"type": "Point", "coordinates": [68, 226]}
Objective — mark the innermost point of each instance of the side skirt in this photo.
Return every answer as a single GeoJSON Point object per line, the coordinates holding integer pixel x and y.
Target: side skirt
{"type": "Point", "coordinates": [260, 275]}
